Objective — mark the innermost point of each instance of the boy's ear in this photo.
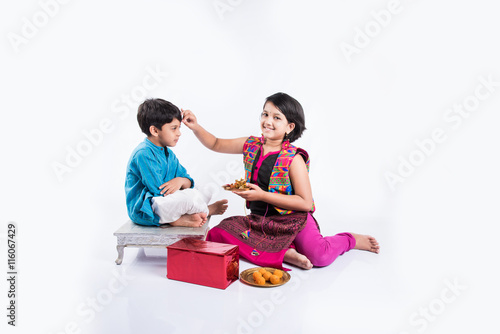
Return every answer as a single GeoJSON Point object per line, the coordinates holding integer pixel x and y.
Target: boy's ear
{"type": "Point", "coordinates": [153, 130]}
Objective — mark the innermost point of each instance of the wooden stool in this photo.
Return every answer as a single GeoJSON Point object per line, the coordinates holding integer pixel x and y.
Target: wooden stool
{"type": "Point", "coordinates": [133, 235]}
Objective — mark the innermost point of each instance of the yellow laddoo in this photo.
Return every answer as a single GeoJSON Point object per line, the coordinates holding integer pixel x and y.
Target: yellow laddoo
{"type": "Point", "coordinates": [260, 281]}
{"type": "Point", "coordinates": [278, 273]}
{"type": "Point", "coordinates": [274, 279]}
{"type": "Point", "coordinates": [256, 275]}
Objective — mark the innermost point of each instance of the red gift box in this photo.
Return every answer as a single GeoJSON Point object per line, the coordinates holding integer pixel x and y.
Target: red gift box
{"type": "Point", "coordinates": [203, 262]}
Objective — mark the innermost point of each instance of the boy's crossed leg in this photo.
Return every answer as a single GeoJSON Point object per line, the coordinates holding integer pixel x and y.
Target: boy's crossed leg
{"type": "Point", "coordinates": [198, 219]}
{"type": "Point", "coordinates": [193, 220]}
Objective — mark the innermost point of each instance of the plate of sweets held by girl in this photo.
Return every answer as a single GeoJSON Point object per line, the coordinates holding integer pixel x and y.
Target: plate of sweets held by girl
{"type": "Point", "coordinates": [238, 185]}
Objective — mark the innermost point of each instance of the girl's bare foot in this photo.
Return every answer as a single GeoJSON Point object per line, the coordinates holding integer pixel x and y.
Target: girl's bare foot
{"type": "Point", "coordinates": [194, 220]}
{"type": "Point", "coordinates": [297, 259]}
{"type": "Point", "coordinates": [218, 207]}
{"type": "Point", "coordinates": [366, 242]}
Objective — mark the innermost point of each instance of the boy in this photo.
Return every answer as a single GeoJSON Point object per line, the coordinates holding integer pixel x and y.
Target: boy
{"type": "Point", "coordinates": [154, 171]}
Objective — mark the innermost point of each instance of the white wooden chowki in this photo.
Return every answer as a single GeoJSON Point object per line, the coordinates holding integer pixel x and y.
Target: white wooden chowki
{"type": "Point", "coordinates": [133, 235]}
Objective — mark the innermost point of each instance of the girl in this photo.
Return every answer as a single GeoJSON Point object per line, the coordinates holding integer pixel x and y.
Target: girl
{"type": "Point", "coordinates": [281, 227]}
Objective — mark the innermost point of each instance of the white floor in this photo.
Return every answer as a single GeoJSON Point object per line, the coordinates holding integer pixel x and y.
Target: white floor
{"type": "Point", "coordinates": [404, 289]}
{"type": "Point", "coordinates": [312, 300]}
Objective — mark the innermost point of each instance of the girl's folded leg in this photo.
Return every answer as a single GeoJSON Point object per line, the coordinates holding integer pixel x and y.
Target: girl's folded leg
{"type": "Point", "coordinates": [322, 251]}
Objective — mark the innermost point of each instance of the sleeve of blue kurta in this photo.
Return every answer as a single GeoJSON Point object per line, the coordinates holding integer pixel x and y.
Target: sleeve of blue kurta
{"type": "Point", "coordinates": [179, 170]}
{"type": "Point", "coordinates": [149, 171]}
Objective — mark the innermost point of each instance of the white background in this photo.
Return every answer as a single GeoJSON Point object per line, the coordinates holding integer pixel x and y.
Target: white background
{"type": "Point", "coordinates": [363, 115]}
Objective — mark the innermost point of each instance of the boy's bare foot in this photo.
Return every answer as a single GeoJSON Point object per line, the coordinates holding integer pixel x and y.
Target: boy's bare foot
{"type": "Point", "coordinates": [217, 208]}
{"type": "Point", "coordinates": [366, 242]}
{"type": "Point", "coordinates": [194, 220]}
{"type": "Point", "coordinates": [204, 217]}
{"type": "Point", "coordinates": [297, 259]}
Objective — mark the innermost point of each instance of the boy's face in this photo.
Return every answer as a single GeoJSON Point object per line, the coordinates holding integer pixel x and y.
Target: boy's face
{"type": "Point", "coordinates": [168, 135]}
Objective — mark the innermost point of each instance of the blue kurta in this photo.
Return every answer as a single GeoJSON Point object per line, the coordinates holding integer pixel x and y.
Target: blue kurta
{"type": "Point", "coordinates": [148, 168]}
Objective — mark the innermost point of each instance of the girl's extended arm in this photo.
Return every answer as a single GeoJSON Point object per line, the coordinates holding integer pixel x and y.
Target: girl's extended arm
{"type": "Point", "coordinates": [209, 140]}
{"type": "Point", "coordinates": [302, 199]}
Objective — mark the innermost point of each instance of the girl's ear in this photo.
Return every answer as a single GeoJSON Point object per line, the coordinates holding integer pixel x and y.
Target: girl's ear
{"type": "Point", "coordinates": [291, 126]}
{"type": "Point", "coordinates": [153, 130]}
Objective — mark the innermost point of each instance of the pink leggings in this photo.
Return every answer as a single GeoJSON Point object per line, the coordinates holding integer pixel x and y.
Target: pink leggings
{"type": "Point", "coordinates": [321, 251]}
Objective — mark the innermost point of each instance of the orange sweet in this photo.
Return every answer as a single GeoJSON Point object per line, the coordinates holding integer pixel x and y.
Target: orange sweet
{"type": "Point", "coordinates": [262, 271]}
{"type": "Point", "coordinates": [267, 275]}
{"type": "Point", "coordinates": [256, 275]}
{"type": "Point", "coordinates": [260, 280]}
{"type": "Point", "coordinates": [275, 279]}
{"type": "Point", "coordinates": [278, 273]}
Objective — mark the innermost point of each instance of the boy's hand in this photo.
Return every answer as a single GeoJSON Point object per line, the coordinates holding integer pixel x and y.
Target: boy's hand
{"type": "Point", "coordinates": [189, 119]}
{"type": "Point", "coordinates": [172, 186]}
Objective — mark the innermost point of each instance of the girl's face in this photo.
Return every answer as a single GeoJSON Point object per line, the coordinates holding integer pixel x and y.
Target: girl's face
{"type": "Point", "coordinates": [273, 123]}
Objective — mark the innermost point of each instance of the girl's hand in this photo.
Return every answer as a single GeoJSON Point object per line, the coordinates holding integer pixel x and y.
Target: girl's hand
{"type": "Point", "coordinates": [171, 186]}
{"type": "Point", "coordinates": [254, 194]}
{"type": "Point", "coordinates": [189, 119]}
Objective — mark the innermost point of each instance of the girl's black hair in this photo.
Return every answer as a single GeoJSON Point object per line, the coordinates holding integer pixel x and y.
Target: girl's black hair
{"type": "Point", "coordinates": [293, 112]}
{"type": "Point", "coordinates": [156, 112]}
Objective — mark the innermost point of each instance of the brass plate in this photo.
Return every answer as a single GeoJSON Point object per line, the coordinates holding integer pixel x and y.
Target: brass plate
{"type": "Point", "coordinates": [247, 278]}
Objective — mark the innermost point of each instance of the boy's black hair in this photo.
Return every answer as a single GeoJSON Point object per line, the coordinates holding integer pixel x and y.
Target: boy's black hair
{"type": "Point", "coordinates": [156, 112]}
{"type": "Point", "coordinates": [293, 112]}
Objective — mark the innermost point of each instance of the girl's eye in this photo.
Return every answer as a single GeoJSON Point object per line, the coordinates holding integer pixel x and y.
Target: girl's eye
{"type": "Point", "coordinates": [276, 117]}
